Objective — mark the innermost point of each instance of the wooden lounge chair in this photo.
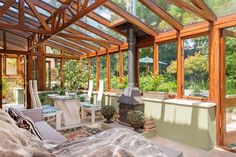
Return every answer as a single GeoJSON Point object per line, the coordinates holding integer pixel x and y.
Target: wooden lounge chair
{"type": "Point", "coordinates": [49, 111]}
{"type": "Point", "coordinates": [88, 107]}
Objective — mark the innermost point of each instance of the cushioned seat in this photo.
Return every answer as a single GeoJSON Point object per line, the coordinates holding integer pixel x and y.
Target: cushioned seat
{"type": "Point", "coordinates": [49, 109]}
{"type": "Point", "coordinates": [47, 132]}
{"type": "Point", "coordinates": [169, 152]}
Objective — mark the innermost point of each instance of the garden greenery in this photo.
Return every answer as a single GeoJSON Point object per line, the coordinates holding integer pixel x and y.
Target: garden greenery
{"type": "Point", "coordinates": [75, 75]}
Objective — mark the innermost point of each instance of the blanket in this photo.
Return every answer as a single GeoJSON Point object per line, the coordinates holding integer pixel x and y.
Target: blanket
{"type": "Point", "coordinates": [117, 142]}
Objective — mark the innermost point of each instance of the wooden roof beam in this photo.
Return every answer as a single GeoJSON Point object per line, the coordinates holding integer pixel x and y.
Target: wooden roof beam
{"type": "Point", "coordinates": [82, 37]}
{"type": "Point", "coordinates": [195, 10]}
{"type": "Point", "coordinates": [22, 28]}
{"type": "Point", "coordinates": [69, 44]}
{"type": "Point", "coordinates": [162, 14]}
{"type": "Point", "coordinates": [37, 14]}
{"type": "Point", "coordinates": [202, 5]}
{"type": "Point", "coordinates": [132, 19]}
{"type": "Point", "coordinates": [6, 6]}
{"type": "Point", "coordinates": [63, 48]}
{"type": "Point", "coordinates": [97, 32]}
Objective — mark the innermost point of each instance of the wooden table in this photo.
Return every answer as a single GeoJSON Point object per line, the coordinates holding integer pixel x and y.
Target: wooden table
{"type": "Point", "coordinates": [71, 109]}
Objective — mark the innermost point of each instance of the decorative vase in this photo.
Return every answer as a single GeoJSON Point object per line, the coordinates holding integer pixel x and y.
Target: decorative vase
{"type": "Point", "coordinates": [108, 112]}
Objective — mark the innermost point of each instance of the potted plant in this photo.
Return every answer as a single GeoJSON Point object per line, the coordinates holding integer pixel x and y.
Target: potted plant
{"type": "Point", "coordinates": [136, 119]}
{"type": "Point", "coordinates": [108, 112]}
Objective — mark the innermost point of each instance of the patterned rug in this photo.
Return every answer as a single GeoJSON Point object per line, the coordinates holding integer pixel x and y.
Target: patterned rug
{"type": "Point", "coordinates": [79, 132]}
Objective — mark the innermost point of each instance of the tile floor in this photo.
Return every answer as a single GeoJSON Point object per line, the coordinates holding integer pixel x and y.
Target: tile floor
{"type": "Point", "coordinates": [189, 151]}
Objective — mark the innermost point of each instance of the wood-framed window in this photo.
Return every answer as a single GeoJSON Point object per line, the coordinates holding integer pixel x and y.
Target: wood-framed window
{"type": "Point", "coordinates": [11, 66]}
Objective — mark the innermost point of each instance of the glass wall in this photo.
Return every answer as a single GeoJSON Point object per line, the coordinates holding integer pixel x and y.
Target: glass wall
{"type": "Point", "coordinates": [145, 67]}
{"type": "Point", "coordinates": [168, 67]}
{"type": "Point", "coordinates": [53, 72]}
{"type": "Point", "coordinates": [103, 70]}
{"type": "Point", "coordinates": [114, 70]}
{"type": "Point", "coordinates": [93, 72]}
{"type": "Point", "coordinates": [196, 67]}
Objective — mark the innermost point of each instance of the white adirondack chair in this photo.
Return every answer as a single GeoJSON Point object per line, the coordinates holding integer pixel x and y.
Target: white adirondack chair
{"type": "Point", "coordinates": [49, 111]}
{"type": "Point", "coordinates": [88, 107]}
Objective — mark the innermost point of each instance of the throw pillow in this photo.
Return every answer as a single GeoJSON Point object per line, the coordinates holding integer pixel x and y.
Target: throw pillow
{"type": "Point", "coordinates": [15, 114]}
{"type": "Point", "coordinates": [28, 124]}
{"type": "Point", "coordinates": [24, 122]}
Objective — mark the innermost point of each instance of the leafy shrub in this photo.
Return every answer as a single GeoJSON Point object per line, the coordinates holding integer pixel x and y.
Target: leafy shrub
{"type": "Point", "coordinates": [135, 118]}
{"type": "Point", "coordinates": [75, 75]}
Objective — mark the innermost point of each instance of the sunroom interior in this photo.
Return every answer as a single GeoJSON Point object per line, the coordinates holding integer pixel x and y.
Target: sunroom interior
{"type": "Point", "coordinates": [185, 49]}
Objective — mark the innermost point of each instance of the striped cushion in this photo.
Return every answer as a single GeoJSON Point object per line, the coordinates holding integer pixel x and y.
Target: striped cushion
{"type": "Point", "coordinates": [24, 122]}
{"type": "Point", "coordinates": [15, 114]}
{"type": "Point", "coordinates": [28, 124]}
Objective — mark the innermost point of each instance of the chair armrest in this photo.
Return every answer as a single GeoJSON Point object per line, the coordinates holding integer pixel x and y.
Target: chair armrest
{"type": "Point", "coordinates": [35, 114]}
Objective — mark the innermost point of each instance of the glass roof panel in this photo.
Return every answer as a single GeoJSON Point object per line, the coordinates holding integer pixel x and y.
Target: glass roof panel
{"type": "Point", "coordinates": [145, 15]}
{"type": "Point", "coordinates": [106, 13]}
{"type": "Point", "coordinates": [105, 29]}
{"type": "Point", "coordinates": [222, 7]}
{"type": "Point", "coordinates": [83, 31]}
{"type": "Point", "coordinates": [43, 12]}
{"type": "Point", "coordinates": [91, 43]}
{"type": "Point", "coordinates": [184, 17]}
{"type": "Point", "coordinates": [54, 3]}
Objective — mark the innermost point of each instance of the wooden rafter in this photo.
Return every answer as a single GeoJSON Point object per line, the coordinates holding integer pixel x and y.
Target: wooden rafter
{"type": "Point", "coordinates": [21, 12]}
{"type": "Point", "coordinates": [78, 23]}
{"type": "Point", "coordinates": [70, 44]}
{"type": "Point", "coordinates": [202, 5]}
{"type": "Point", "coordinates": [99, 19]}
{"type": "Point", "coordinates": [62, 47]}
{"type": "Point", "coordinates": [37, 14]}
{"type": "Point", "coordinates": [120, 11]}
{"type": "Point", "coordinates": [81, 37]}
{"type": "Point", "coordinates": [162, 14]}
{"type": "Point", "coordinates": [199, 12]}
{"type": "Point", "coordinates": [23, 28]}
{"type": "Point", "coordinates": [97, 32]}
{"type": "Point", "coordinates": [6, 6]}
{"type": "Point", "coordinates": [73, 19]}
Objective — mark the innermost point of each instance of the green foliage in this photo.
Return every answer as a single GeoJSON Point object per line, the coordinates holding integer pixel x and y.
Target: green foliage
{"type": "Point", "coordinates": [230, 66]}
{"type": "Point", "coordinates": [196, 71]}
{"type": "Point", "coordinates": [59, 90]}
{"type": "Point", "coordinates": [135, 118]}
{"type": "Point", "coordinates": [115, 84]}
{"type": "Point", "coordinates": [153, 82]}
{"type": "Point", "coordinates": [108, 111]}
{"type": "Point", "coordinates": [8, 85]}
{"type": "Point", "coordinates": [75, 75]}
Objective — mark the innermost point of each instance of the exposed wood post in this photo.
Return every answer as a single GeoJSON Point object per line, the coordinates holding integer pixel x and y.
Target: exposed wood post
{"type": "Point", "coordinates": [97, 70]}
{"type": "Point", "coordinates": [222, 87]}
{"type": "Point", "coordinates": [155, 58]}
{"type": "Point", "coordinates": [108, 72]}
{"type": "Point", "coordinates": [4, 39]}
{"type": "Point", "coordinates": [41, 67]}
{"type": "Point", "coordinates": [1, 81]}
{"type": "Point", "coordinates": [121, 66]}
{"type": "Point", "coordinates": [180, 67]}
{"type": "Point", "coordinates": [29, 77]}
{"type": "Point", "coordinates": [214, 74]}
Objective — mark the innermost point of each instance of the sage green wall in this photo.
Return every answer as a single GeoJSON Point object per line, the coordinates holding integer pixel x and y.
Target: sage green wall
{"type": "Point", "coordinates": [191, 125]}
